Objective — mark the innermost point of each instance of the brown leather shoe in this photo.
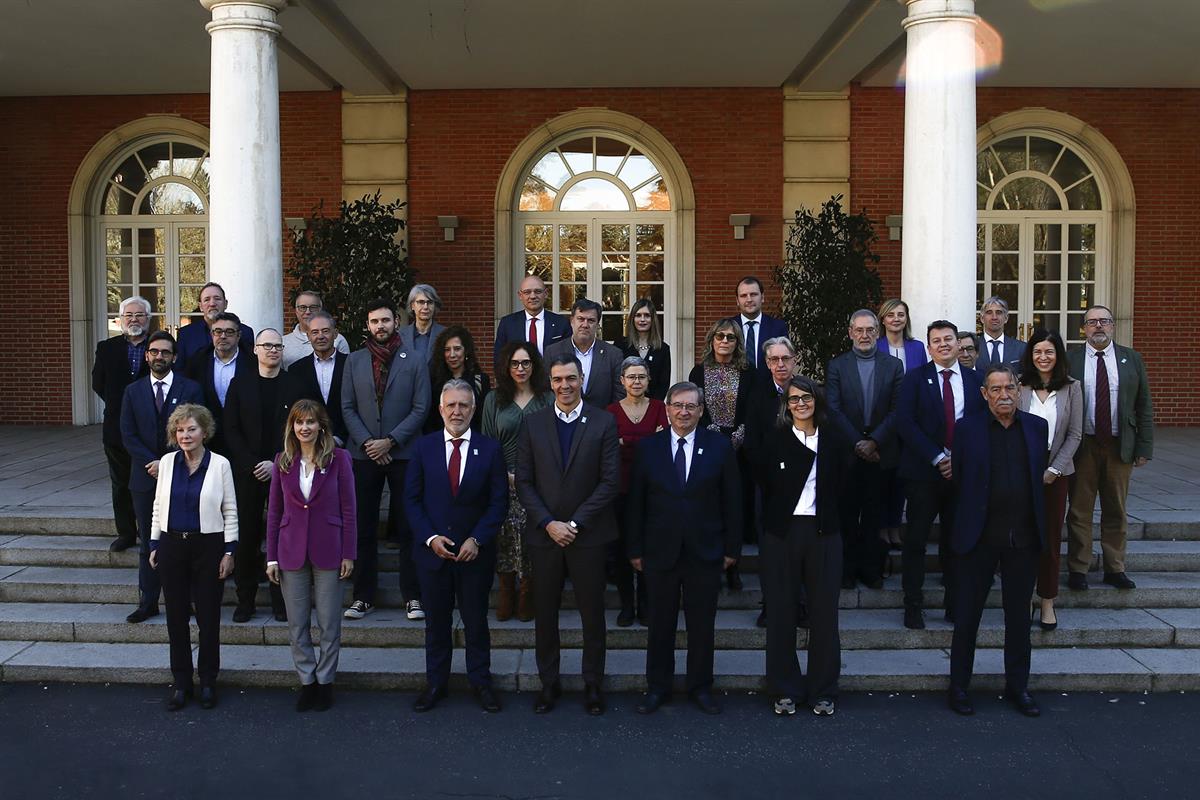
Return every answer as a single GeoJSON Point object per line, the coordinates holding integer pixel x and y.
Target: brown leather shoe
{"type": "Point", "coordinates": [525, 599]}
{"type": "Point", "coordinates": [507, 601]}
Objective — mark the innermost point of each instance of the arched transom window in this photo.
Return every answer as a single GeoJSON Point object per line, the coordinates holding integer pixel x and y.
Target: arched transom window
{"type": "Point", "coordinates": [1041, 223]}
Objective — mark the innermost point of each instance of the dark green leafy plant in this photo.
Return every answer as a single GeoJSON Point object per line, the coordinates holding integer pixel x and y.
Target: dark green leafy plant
{"type": "Point", "coordinates": [829, 274]}
{"type": "Point", "coordinates": [353, 258]}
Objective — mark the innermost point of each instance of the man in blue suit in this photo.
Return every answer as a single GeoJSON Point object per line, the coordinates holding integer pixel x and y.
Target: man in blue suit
{"type": "Point", "coordinates": [999, 460]}
{"type": "Point", "coordinates": [933, 398]}
{"type": "Point", "coordinates": [757, 326]}
{"type": "Point", "coordinates": [533, 323]}
{"type": "Point", "coordinates": [994, 346]}
{"type": "Point", "coordinates": [456, 498]}
{"type": "Point", "coordinates": [145, 407]}
{"type": "Point", "coordinates": [196, 337]}
{"type": "Point", "coordinates": [683, 520]}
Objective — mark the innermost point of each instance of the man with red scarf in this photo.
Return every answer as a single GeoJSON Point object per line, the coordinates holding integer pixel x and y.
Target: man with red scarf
{"type": "Point", "coordinates": [385, 397]}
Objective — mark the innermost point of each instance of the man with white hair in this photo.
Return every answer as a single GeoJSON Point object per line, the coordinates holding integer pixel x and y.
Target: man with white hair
{"type": "Point", "coordinates": [120, 360]}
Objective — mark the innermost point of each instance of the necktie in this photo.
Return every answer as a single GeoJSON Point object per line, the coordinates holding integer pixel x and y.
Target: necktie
{"type": "Point", "coordinates": [995, 343]}
{"type": "Point", "coordinates": [455, 466]}
{"type": "Point", "coordinates": [948, 405]}
{"type": "Point", "coordinates": [751, 344]}
{"type": "Point", "coordinates": [533, 331]}
{"type": "Point", "coordinates": [681, 463]}
{"type": "Point", "coordinates": [160, 401]}
{"type": "Point", "coordinates": [1103, 401]}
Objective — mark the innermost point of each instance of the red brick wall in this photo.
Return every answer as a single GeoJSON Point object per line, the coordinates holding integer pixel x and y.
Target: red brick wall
{"type": "Point", "coordinates": [731, 141]}
{"type": "Point", "coordinates": [1154, 131]}
{"type": "Point", "coordinates": [42, 142]}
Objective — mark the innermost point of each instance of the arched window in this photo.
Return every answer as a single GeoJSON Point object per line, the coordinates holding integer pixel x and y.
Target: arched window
{"type": "Point", "coordinates": [593, 220]}
{"type": "Point", "coordinates": [152, 226]}
{"type": "Point", "coordinates": [1040, 233]}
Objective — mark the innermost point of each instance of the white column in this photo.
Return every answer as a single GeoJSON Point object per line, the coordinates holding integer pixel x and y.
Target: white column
{"type": "Point", "coordinates": [245, 220]}
{"type": "Point", "coordinates": [938, 252]}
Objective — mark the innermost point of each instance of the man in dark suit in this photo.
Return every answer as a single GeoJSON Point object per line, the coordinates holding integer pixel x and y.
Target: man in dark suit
{"type": "Point", "coordinates": [195, 338]}
{"type": "Point", "coordinates": [683, 522]}
{"type": "Point", "coordinates": [456, 498]}
{"type": "Point", "coordinates": [1118, 435]}
{"type": "Point", "coordinates": [933, 398]}
{"type": "Point", "coordinates": [534, 323]}
{"type": "Point", "coordinates": [997, 348]}
{"type": "Point", "coordinates": [757, 327]}
{"type": "Point", "coordinates": [215, 368]}
{"type": "Point", "coordinates": [568, 475]}
{"type": "Point", "coordinates": [600, 361]}
{"type": "Point", "coordinates": [319, 376]}
{"type": "Point", "coordinates": [120, 360]}
{"type": "Point", "coordinates": [145, 407]}
{"type": "Point", "coordinates": [862, 388]}
{"type": "Point", "coordinates": [968, 348]}
{"type": "Point", "coordinates": [999, 460]}
{"type": "Point", "coordinates": [256, 411]}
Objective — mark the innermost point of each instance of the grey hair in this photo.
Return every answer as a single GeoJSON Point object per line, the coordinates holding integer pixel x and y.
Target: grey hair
{"type": "Point", "coordinates": [633, 361]}
{"type": "Point", "coordinates": [864, 312]}
{"type": "Point", "coordinates": [994, 300]}
{"type": "Point", "coordinates": [321, 313]}
{"type": "Point", "coordinates": [428, 291]}
{"type": "Point", "coordinates": [258, 335]}
{"type": "Point", "coordinates": [684, 386]}
{"type": "Point", "coordinates": [457, 384]}
{"type": "Point", "coordinates": [1001, 367]}
{"type": "Point", "coordinates": [779, 340]}
{"type": "Point", "coordinates": [137, 298]}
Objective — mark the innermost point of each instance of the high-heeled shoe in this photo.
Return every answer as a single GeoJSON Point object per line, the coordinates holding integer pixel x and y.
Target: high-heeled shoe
{"type": "Point", "coordinates": [1036, 616]}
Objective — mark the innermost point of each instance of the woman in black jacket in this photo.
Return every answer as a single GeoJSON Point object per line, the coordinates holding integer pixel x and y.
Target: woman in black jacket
{"type": "Point", "coordinates": [643, 338]}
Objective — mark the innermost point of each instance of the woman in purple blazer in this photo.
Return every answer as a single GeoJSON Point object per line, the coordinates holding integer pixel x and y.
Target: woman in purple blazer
{"type": "Point", "coordinates": [312, 542]}
{"type": "Point", "coordinates": [896, 340]}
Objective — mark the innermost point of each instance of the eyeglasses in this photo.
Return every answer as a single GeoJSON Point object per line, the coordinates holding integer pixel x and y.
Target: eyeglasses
{"type": "Point", "coordinates": [800, 400]}
{"type": "Point", "coordinates": [313, 307]}
{"type": "Point", "coordinates": [689, 407]}
{"type": "Point", "coordinates": [134, 315]}
{"type": "Point", "coordinates": [780, 359]}
{"type": "Point", "coordinates": [422, 301]}
{"type": "Point", "coordinates": [523, 363]}
{"type": "Point", "coordinates": [1100, 322]}
{"type": "Point", "coordinates": [725, 337]}
{"type": "Point", "coordinates": [637, 378]}
{"type": "Point", "coordinates": [864, 331]}
{"type": "Point", "coordinates": [224, 332]}
{"type": "Point", "coordinates": [157, 351]}
{"type": "Point", "coordinates": [967, 348]}
{"type": "Point", "coordinates": [270, 347]}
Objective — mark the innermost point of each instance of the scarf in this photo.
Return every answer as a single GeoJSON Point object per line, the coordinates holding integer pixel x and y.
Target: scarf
{"type": "Point", "coordinates": [381, 360]}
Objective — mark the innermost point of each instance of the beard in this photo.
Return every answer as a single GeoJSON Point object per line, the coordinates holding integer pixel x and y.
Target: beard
{"type": "Point", "coordinates": [134, 329]}
{"type": "Point", "coordinates": [211, 316]}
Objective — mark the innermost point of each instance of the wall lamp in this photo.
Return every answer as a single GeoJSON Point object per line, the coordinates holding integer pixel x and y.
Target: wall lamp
{"type": "Point", "coordinates": [739, 222]}
{"type": "Point", "coordinates": [448, 226]}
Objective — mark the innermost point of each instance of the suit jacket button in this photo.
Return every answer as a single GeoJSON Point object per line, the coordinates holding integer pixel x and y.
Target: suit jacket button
{"type": "Point", "coordinates": [306, 505]}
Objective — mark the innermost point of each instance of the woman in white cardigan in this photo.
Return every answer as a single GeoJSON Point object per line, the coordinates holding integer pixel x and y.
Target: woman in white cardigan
{"type": "Point", "coordinates": [193, 536]}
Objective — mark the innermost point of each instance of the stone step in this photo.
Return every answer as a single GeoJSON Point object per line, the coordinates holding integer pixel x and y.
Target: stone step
{"type": "Point", "coordinates": [861, 629]}
{"type": "Point", "coordinates": [39, 584]}
{"type": "Point", "coordinates": [1058, 669]}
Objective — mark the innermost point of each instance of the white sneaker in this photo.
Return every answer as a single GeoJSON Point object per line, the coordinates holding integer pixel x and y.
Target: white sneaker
{"type": "Point", "coordinates": [413, 609]}
{"type": "Point", "coordinates": [785, 706]}
{"type": "Point", "coordinates": [358, 609]}
{"type": "Point", "coordinates": [824, 707]}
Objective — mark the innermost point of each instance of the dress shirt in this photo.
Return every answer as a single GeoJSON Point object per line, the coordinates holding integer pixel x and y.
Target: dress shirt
{"type": "Point", "coordinates": [422, 342]}
{"type": "Point", "coordinates": [688, 449]}
{"type": "Point", "coordinates": [987, 346]}
{"type": "Point", "coordinates": [1089, 386]}
{"type": "Point", "coordinates": [297, 346]}
{"type": "Point", "coordinates": [1047, 411]}
{"type": "Point", "coordinates": [223, 372]}
{"type": "Point", "coordinates": [956, 386]}
{"type": "Point", "coordinates": [167, 380]}
{"type": "Point", "coordinates": [462, 461]}
{"type": "Point", "coordinates": [585, 361]}
{"type": "Point", "coordinates": [324, 368]}
{"type": "Point", "coordinates": [136, 352]}
{"type": "Point", "coordinates": [757, 331]}
{"type": "Point", "coordinates": [307, 471]}
{"type": "Point", "coordinates": [569, 416]}
{"type": "Point", "coordinates": [898, 352]}
{"type": "Point", "coordinates": [540, 328]}
{"type": "Point", "coordinates": [807, 505]}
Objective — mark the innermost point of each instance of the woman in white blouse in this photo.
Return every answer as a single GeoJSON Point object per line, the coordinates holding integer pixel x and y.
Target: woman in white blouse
{"type": "Point", "coordinates": [1050, 392]}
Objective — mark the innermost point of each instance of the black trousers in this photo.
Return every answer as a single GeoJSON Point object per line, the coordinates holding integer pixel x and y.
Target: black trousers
{"type": "Point", "coordinates": [149, 583]}
{"type": "Point", "coordinates": [250, 566]}
{"type": "Point", "coordinates": [700, 583]}
{"type": "Point", "coordinates": [864, 552]}
{"type": "Point", "coordinates": [119, 466]}
{"type": "Point", "coordinates": [369, 480]}
{"type": "Point", "coordinates": [631, 584]}
{"type": "Point", "coordinates": [802, 558]}
{"type": "Point", "coordinates": [585, 566]}
{"type": "Point", "coordinates": [466, 586]}
{"type": "Point", "coordinates": [188, 568]}
{"type": "Point", "coordinates": [975, 570]}
{"type": "Point", "coordinates": [927, 501]}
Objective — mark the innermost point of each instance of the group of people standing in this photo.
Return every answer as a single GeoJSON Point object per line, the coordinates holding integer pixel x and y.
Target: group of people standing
{"type": "Point", "coordinates": [265, 457]}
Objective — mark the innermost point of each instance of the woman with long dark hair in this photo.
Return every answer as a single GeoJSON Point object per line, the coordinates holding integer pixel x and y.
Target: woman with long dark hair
{"type": "Point", "coordinates": [643, 339]}
{"type": "Point", "coordinates": [454, 356]}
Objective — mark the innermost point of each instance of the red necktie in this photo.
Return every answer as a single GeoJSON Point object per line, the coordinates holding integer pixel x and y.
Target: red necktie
{"type": "Point", "coordinates": [1103, 401]}
{"type": "Point", "coordinates": [948, 405]}
{"type": "Point", "coordinates": [533, 331]}
{"type": "Point", "coordinates": [455, 466]}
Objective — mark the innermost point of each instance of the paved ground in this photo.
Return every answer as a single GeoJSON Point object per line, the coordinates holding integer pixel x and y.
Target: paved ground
{"type": "Point", "coordinates": [107, 741]}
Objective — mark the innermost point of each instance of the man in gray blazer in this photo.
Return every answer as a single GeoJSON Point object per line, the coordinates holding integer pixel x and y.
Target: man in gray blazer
{"type": "Point", "coordinates": [862, 388]}
{"type": "Point", "coordinates": [419, 335]}
{"type": "Point", "coordinates": [568, 475]}
{"type": "Point", "coordinates": [995, 346]}
{"type": "Point", "coordinates": [385, 396]}
{"type": "Point", "coordinates": [599, 360]}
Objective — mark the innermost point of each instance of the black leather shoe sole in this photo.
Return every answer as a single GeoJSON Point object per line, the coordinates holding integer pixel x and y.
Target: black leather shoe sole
{"type": "Point", "coordinates": [487, 700]}
{"type": "Point", "coordinates": [546, 699]}
{"type": "Point", "coordinates": [243, 614]}
{"type": "Point", "coordinates": [914, 619]}
{"type": "Point", "coordinates": [178, 699]}
{"type": "Point", "coordinates": [121, 545]}
{"type": "Point", "coordinates": [208, 697]}
{"type": "Point", "coordinates": [960, 704]}
{"type": "Point", "coordinates": [142, 614]}
{"type": "Point", "coordinates": [1077, 582]}
{"type": "Point", "coordinates": [428, 699]}
{"type": "Point", "coordinates": [651, 702]}
{"type": "Point", "coordinates": [1120, 580]}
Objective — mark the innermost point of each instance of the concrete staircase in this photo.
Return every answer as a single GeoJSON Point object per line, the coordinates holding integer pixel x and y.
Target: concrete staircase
{"type": "Point", "coordinates": [64, 597]}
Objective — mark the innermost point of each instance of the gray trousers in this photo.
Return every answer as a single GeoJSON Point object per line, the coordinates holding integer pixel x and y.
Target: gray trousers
{"type": "Point", "coordinates": [302, 588]}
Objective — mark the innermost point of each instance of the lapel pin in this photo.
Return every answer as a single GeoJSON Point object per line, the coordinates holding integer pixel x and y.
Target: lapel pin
{"type": "Point", "coordinates": [583, 419]}
{"type": "Point", "coordinates": [403, 354]}
{"type": "Point", "coordinates": [700, 451]}
{"type": "Point", "coordinates": [782, 465]}
{"type": "Point", "coordinates": [1122, 361]}
{"type": "Point", "coordinates": [322, 470]}
{"type": "Point", "coordinates": [474, 452]}
{"type": "Point", "coordinates": [929, 381]}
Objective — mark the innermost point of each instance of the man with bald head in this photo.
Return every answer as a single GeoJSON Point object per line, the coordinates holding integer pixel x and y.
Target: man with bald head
{"type": "Point", "coordinates": [534, 323]}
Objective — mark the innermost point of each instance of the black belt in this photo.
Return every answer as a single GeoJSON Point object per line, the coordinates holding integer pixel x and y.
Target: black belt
{"type": "Point", "coordinates": [187, 534]}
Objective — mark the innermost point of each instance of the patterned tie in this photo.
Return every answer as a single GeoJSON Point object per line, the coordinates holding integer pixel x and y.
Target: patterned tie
{"type": "Point", "coordinates": [533, 331]}
{"type": "Point", "coordinates": [159, 400]}
{"type": "Point", "coordinates": [681, 463]}
{"type": "Point", "coordinates": [455, 466]}
{"type": "Point", "coordinates": [1103, 401]}
{"type": "Point", "coordinates": [995, 343]}
{"type": "Point", "coordinates": [948, 405]}
{"type": "Point", "coordinates": [751, 344]}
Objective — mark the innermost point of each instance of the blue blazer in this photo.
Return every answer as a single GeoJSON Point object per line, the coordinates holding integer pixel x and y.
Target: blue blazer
{"type": "Point", "coordinates": [144, 430]}
{"type": "Point", "coordinates": [915, 352]}
{"type": "Point", "coordinates": [194, 339]}
{"type": "Point", "coordinates": [479, 508]}
{"type": "Point", "coordinates": [700, 520]}
{"type": "Point", "coordinates": [972, 472]}
{"type": "Point", "coordinates": [768, 328]}
{"type": "Point", "coordinates": [512, 328]}
{"type": "Point", "coordinates": [921, 422]}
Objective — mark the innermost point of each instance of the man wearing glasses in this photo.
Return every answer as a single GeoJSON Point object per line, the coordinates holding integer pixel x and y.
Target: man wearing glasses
{"type": "Point", "coordinates": [296, 343]}
{"type": "Point", "coordinates": [215, 367]}
{"type": "Point", "coordinates": [534, 323]}
{"type": "Point", "coordinates": [1118, 434]}
{"type": "Point", "coordinates": [195, 338]}
{"type": "Point", "coordinates": [120, 361]}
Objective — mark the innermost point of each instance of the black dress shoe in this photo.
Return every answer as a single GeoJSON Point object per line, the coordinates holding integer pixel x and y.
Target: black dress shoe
{"type": "Point", "coordinates": [324, 699]}
{"type": "Point", "coordinates": [546, 698]}
{"type": "Point", "coordinates": [208, 697]}
{"type": "Point", "coordinates": [243, 613]}
{"type": "Point", "coordinates": [914, 618]}
{"type": "Point", "coordinates": [1077, 582]}
{"type": "Point", "coordinates": [593, 700]}
{"type": "Point", "coordinates": [142, 613]}
{"type": "Point", "coordinates": [761, 622]}
{"type": "Point", "coordinates": [121, 544]}
{"type": "Point", "coordinates": [705, 702]}
{"type": "Point", "coordinates": [1023, 702]}
{"type": "Point", "coordinates": [1119, 580]}
{"type": "Point", "coordinates": [178, 698]}
{"type": "Point", "coordinates": [625, 617]}
{"type": "Point", "coordinates": [429, 698]}
{"type": "Point", "coordinates": [733, 579]}
{"type": "Point", "coordinates": [280, 615]}
{"type": "Point", "coordinates": [487, 699]}
{"type": "Point", "coordinates": [651, 701]}
{"type": "Point", "coordinates": [873, 583]}
{"type": "Point", "coordinates": [308, 696]}
{"type": "Point", "coordinates": [959, 701]}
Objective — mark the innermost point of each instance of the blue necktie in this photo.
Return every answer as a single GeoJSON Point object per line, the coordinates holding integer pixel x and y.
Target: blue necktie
{"type": "Point", "coordinates": [681, 463]}
{"type": "Point", "coordinates": [159, 400]}
{"type": "Point", "coordinates": [995, 351]}
{"type": "Point", "coordinates": [751, 345]}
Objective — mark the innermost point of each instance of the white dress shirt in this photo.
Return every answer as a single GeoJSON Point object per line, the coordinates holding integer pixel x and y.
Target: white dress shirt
{"type": "Point", "coordinates": [689, 448]}
{"type": "Point", "coordinates": [1047, 411]}
{"type": "Point", "coordinates": [807, 505]}
{"type": "Point", "coordinates": [540, 329]}
{"type": "Point", "coordinates": [987, 345]}
{"type": "Point", "coordinates": [585, 361]}
{"type": "Point", "coordinates": [297, 346]}
{"type": "Point", "coordinates": [569, 416]}
{"type": "Point", "coordinates": [324, 370]}
{"type": "Point", "coordinates": [1089, 386]}
{"type": "Point", "coordinates": [307, 471]}
{"type": "Point", "coordinates": [757, 332]}
{"type": "Point", "coordinates": [166, 380]}
{"type": "Point", "coordinates": [462, 461]}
